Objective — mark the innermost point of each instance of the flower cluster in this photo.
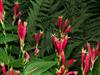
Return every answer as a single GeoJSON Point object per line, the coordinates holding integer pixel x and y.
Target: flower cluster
{"type": "Point", "coordinates": [88, 59]}
{"type": "Point", "coordinates": [22, 32]}
{"type": "Point", "coordinates": [60, 45]}
{"type": "Point", "coordinates": [10, 72]}
{"type": "Point", "coordinates": [37, 37]}
{"type": "Point", "coordinates": [62, 26]}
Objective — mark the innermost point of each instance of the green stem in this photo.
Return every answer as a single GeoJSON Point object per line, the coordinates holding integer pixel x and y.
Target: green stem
{"type": "Point", "coordinates": [82, 70]}
{"type": "Point", "coordinates": [5, 36]}
{"type": "Point", "coordinates": [23, 54]}
{"type": "Point", "coordinates": [91, 70]}
{"type": "Point", "coordinates": [14, 19]}
{"type": "Point", "coordinates": [91, 73]}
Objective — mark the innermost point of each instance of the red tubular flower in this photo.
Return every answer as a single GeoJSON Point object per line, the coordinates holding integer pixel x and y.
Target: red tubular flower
{"type": "Point", "coordinates": [22, 31]}
{"type": "Point", "coordinates": [11, 71]}
{"type": "Point", "coordinates": [83, 56]}
{"type": "Point", "coordinates": [1, 10]}
{"type": "Point", "coordinates": [60, 22]}
{"type": "Point", "coordinates": [72, 73]}
{"type": "Point", "coordinates": [37, 37]}
{"type": "Point", "coordinates": [62, 69]}
{"type": "Point", "coordinates": [70, 62]}
{"type": "Point", "coordinates": [63, 58]}
{"type": "Point", "coordinates": [97, 48]}
{"type": "Point", "coordinates": [65, 42]}
{"type": "Point", "coordinates": [16, 10]}
{"type": "Point", "coordinates": [55, 39]}
{"type": "Point", "coordinates": [86, 69]}
{"type": "Point", "coordinates": [3, 69]}
{"type": "Point", "coordinates": [27, 56]}
{"type": "Point", "coordinates": [16, 72]}
{"type": "Point", "coordinates": [65, 23]}
{"type": "Point", "coordinates": [89, 49]}
{"type": "Point", "coordinates": [93, 52]}
{"type": "Point", "coordinates": [67, 29]}
{"type": "Point", "coordinates": [58, 45]}
{"type": "Point", "coordinates": [87, 64]}
{"type": "Point", "coordinates": [94, 55]}
{"type": "Point", "coordinates": [87, 59]}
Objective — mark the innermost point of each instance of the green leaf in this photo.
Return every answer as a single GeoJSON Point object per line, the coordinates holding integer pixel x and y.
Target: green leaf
{"type": "Point", "coordinates": [48, 73]}
{"type": "Point", "coordinates": [3, 56]}
{"type": "Point", "coordinates": [16, 63]}
{"type": "Point", "coordinates": [70, 48]}
{"type": "Point", "coordinates": [9, 38]}
{"type": "Point", "coordinates": [50, 57]}
{"type": "Point", "coordinates": [9, 28]}
{"type": "Point", "coordinates": [37, 68]}
{"type": "Point", "coordinates": [96, 68]}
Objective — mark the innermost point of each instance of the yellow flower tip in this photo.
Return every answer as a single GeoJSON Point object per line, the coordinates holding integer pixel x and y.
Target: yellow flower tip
{"type": "Point", "coordinates": [60, 17]}
{"type": "Point", "coordinates": [53, 35]}
{"type": "Point", "coordinates": [83, 50]}
{"type": "Point", "coordinates": [68, 37]}
{"type": "Point", "coordinates": [25, 23]}
{"type": "Point", "coordinates": [41, 32]}
{"type": "Point", "coordinates": [2, 64]}
{"type": "Point", "coordinates": [16, 2]}
{"type": "Point", "coordinates": [11, 68]}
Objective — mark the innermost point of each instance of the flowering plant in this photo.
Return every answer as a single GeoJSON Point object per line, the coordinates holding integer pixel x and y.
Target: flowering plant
{"type": "Point", "coordinates": [50, 50]}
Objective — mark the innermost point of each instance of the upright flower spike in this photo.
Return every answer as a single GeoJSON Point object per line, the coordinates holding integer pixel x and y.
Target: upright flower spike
{"type": "Point", "coordinates": [3, 68]}
{"type": "Point", "coordinates": [1, 10]}
{"type": "Point", "coordinates": [93, 52]}
{"type": "Point", "coordinates": [11, 71]}
{"type": "Point", "coordinates": [16, 10]}
{"type": "Point", "coordinates": [27, 56]}
{"type": "Point", "coordinates": [37, 37]}
{"type": "Point", "coordinates": [60, 45]}
{"type": "Point", "coordinates": [22, 31]}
